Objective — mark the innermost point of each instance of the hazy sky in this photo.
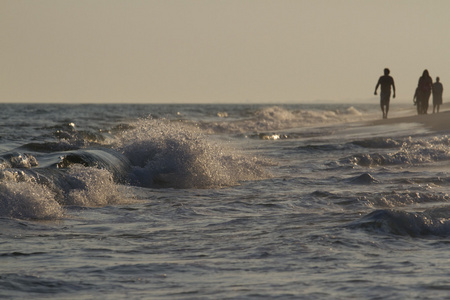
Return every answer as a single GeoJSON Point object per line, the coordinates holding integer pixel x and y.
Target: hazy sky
{"type": "Point", "coordinates": [168, 51]}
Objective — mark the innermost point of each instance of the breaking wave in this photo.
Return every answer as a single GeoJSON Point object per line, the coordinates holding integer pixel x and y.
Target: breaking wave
{"type": "Point", "coordinates": [42, 195]}
{"type": "Point", "coordinates": [168, 154]}
{"type": "Point", "coordinates": [150, 153]}
{"type": "Point", "coordinates": [278, 118]}
{"type": "Point", "coordinates": [433, 222]}
{"type": "Point", "coordinates": [410, 151]}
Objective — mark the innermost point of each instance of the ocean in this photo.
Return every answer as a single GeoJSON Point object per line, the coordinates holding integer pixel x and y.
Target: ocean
{"type": "Point", "coordinates": [238, 201]}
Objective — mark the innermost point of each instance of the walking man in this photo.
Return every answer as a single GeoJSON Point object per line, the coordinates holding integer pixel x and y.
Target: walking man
{"type": "Point", "coordinates": [385, 82]}
{"type": "Point", "coordinates": [437, 94]}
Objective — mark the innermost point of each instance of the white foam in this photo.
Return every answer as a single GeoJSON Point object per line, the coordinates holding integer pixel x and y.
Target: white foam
{"type": "Point", "coordinates": [26, 196]}
{"type": "Point", "coordinates": [21, 197]}
{"type": "Point", "coordinates": [23, 161]}
{"type": "Point", "coordinates": [90, 187]}
{"type": "Point", "coordinates": [278, 118]}
{"type": "Point", "coordinates": [174, 154]}
{"type": "Point", "coordinates": [411, 151]}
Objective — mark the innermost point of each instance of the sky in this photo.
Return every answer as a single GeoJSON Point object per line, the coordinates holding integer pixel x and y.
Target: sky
{"type": "Point", "coordinates": [218, 51]}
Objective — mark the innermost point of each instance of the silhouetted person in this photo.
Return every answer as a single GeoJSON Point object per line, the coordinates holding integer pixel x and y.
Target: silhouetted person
{"type": "Point", "coordinates": [424, 91]}
{"type": "Point", "coordinates": [385, 82]}
{"type": "Point", "coordinates": [438, 89]}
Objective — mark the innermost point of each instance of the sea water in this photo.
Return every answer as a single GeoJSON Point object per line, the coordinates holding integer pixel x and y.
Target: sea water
{"type": "Point", "coordinates": [221, 202]}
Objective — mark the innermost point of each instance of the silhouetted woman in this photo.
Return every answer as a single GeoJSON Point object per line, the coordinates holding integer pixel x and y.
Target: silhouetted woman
{"type": "Point", "coordinates": [423, 92]}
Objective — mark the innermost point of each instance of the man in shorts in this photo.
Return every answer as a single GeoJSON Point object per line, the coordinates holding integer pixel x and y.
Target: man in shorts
{"type": "Point", "coordinates": [385, 82]}
{"type": "Point", "coordinates": [437, 94]}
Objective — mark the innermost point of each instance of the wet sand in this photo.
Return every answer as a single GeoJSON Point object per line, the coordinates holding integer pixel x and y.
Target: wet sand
{"type": "Point", "coordinates": [437, 122]}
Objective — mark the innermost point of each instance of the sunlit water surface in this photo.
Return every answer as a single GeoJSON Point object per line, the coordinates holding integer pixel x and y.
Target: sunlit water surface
{"type": "Point", "coordinates": [221, 202]}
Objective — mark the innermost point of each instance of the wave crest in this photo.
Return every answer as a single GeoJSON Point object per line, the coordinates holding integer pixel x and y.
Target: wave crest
{"type": "Point", "coordinates": [90, 187]}
{"type": "Point", "coordinates": [413, 224]}
{"type": "Point", "coordinates": [42, 194]}
{"type": "Point", "coordinates": [22, 197]}
{"type": "Point", "coordinates": [410, 151]}
{"type": "Point", "coordinates": [173, 154]}
{"type": "Point", "coordinates": [278, 118]}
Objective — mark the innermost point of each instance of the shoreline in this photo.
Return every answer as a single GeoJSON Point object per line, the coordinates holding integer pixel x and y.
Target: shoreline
{"type": "Point", "coordinates": [436, 122]}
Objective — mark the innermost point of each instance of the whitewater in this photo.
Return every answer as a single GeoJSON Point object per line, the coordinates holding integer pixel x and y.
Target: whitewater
{"type": "Point", "coordinates": [238, 201]}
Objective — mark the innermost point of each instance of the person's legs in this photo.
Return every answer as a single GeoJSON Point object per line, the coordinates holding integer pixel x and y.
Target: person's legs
{"type": "Point", "coordinates": [422, 106]}
{"type": "Point", "coordinates": [384, 103]}
{"type": "Point", "coordinates": [382, 109]}
{"type": "Point", "coordinates": [425, 102]}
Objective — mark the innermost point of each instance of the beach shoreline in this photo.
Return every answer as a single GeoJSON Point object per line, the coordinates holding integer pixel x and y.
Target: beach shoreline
{"type": "Point", "coordinates": [436, 122]}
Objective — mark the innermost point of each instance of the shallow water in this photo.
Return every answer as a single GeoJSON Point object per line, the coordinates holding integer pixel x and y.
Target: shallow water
{"type": "Point", "coordinates": [221, 202]}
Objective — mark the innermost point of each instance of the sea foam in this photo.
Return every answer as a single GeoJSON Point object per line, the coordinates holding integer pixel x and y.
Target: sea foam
{"type": "Point", "coordinates": [176, 154]}
{"type": "Point", "coordinates": [90, 187]}
{"type": "Point", "coordinates": [22, 197]}
{"type": "Point", "coordinates": [278, 118]}
{"type": "Point", "coordinates": [408, 151]}
{"type": "Point", "coordinates": [31, 195]}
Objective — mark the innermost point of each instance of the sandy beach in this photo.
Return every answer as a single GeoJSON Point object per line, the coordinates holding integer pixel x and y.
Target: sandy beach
{"type": "Point", "coordinates": [437, 122]}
